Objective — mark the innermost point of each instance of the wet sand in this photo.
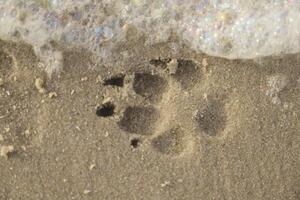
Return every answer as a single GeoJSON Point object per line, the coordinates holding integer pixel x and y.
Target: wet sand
{"type": "Point", "coordinates": [160, 124]}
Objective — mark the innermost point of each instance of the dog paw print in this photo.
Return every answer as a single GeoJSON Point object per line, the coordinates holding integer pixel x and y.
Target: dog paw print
{"type": "Point", "coordinates": [153, 108]}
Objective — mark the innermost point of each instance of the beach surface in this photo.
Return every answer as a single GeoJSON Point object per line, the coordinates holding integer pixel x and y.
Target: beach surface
{"type": "Point", "coordinates": [157, 124]}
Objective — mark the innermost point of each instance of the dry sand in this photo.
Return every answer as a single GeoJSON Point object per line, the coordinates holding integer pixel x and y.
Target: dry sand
{"type": "Point", "coordinates": [158, 125]}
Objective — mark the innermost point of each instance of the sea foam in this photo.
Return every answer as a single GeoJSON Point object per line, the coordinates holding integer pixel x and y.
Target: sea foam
{"type": "Point", "coordinates": [225, 28]}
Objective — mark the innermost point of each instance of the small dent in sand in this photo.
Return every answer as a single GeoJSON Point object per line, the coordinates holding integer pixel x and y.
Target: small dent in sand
{"type": "Point", "coordinates": [105, 110]}
{"type": "Point", "coordinates": [135, 142]}
{"type": "Point", "coordinates": [117, 81]}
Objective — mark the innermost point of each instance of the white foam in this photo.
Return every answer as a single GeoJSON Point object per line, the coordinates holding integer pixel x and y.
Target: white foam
{"type": "Point", "coordinates": [226, 28]}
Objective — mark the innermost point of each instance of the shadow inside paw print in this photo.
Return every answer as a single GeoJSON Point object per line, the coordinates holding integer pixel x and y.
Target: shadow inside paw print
{"type": "Point", "coordinates": [171, 142]}
{"type": "Point", "coordinates": [117, 81]}
{"type": "Point", "coordinates": [187, 73]}
{"type": "Point", "coordinates": [160, 62]}
{"type": "Point", "coordinates": [211, 118]}
{"type": "Point", "coordinates": [149, 86]}
{"type": "Point", "coordinates": [105, 110]}
{"type": "Point", "coordinates": [139, 120]}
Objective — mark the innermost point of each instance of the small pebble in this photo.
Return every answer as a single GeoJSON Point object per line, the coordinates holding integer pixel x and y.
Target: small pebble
{"type": "Point", "coordinates": [84, 79]}
{"type": "Point", "coordinates": [86, 191]}
{"type": "Point", "coordinates": [52, 95]}
{"type": "Point", "coordinates": [98, 79]}
{"type": "Point", "coordinates": [172, 66]}
{"type": "Point", "coordinates": [23, 148]}
{"type": "Point", "coordinates": [106, 134]}
{"type": "Point", "coordinates": [205, 96]}
{"type": "Point", "coordinates": [6, 150]}
{"type": "Point", "coordinates": [6, 129]}
{"type": "Point", "coordinates": [78, 128]}
{"type": "Point", "coordinates": [204, 62]}
{"type": "Point", "coordinates": [166, 183]}
{"type": "Point", "coordinates": [39, 84]}
{"type": "Point", "coordinates": [92, 166]}
{"type": "Point", "coordinates": [27, 133]}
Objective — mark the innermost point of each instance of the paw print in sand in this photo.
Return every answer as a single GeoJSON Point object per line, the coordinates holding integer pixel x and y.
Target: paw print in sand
{"type": "Point", "coordinates": [156, 107]}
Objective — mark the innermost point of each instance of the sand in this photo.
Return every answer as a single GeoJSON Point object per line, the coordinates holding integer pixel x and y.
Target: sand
{"type": "Point", "coordinates": [161, 124]}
